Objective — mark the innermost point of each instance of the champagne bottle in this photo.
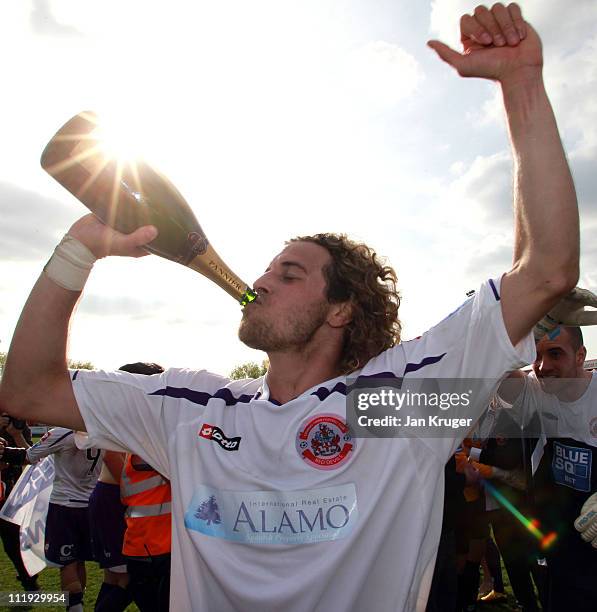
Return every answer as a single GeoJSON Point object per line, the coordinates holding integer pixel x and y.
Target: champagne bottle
{"type": "Point", "coordinates": [128, 196]}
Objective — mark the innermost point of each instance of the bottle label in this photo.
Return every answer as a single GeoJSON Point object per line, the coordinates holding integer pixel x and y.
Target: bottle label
{"type": "Point", "coordinates": [196, 244]}
{"type": "Point", "coordinates": [226, 275]}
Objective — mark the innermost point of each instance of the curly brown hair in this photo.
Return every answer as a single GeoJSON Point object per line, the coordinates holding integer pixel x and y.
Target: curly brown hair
{"type": "Point", "coordinates": [357, 274]}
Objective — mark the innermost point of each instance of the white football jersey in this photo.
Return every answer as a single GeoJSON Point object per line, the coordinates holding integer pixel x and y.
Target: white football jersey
{"type": "Point", "coordinates": [279, 507]}
{"type": "Point", "coordinates": [576, 420]}
{"type": "Point", "coordinates": [76, 471]}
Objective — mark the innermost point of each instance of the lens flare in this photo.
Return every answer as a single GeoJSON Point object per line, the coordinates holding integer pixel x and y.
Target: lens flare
{"type": "Point", "coordinates": [117, 142]}
{"type": "Point", "coordinates": [118, 139]}
{"type": "Point", "coordinates": [545, 540]}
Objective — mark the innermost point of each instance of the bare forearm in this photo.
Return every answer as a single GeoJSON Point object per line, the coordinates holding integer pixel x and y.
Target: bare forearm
{"type": "Point", "coordinates": [547, 232]}
{"type": "Point", "coordinates": [40, 338]}
{"type": "Point", "coordinates": [35, 382]}
{"type": "Point", "coordinates": [36, 385]}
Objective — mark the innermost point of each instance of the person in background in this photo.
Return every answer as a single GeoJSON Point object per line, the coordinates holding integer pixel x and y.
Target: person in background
{"type": "Point", "coordinates": [516, 545]}
{"type": "Point", "coordinates": [443, 595]}
{"type": "Point", "coordinates": [15, 433]}
{"type": "Point", "coordinates": [148, 538]}
{"type": "Point", "coordinates": [67, 537]}
{"type": "Point", "coordinates": [107, 525]}
{"type": "Point", "coordinates": [492, 587]}
{"type": "Point", "coordinates": [147, 544]}
{"type": "Point", "coordinates": [564, 396]}
{"type": "Point", "coordinates": [472, 530]}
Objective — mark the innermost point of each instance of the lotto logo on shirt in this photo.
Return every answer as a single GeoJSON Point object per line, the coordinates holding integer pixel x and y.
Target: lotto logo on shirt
{"type": "Point", "coordinates": [211, 432]}
{"type": "Point", "coordinates": [571, 466]}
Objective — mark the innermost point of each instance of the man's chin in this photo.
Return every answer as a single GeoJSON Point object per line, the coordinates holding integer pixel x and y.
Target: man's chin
{"type": "Point", "coordinates": [250, 338]}
{"type": "Point", "coordinates": [252, 343]}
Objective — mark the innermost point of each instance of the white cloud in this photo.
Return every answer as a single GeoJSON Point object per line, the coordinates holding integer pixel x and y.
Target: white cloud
{"type": "Point", "coordinates": [572, 81]}
{"type": "Point", "coordinates": [485, 189]}
{"type": "Point", "coordinates": [457, 168]}
{"type": "Point", "coordinates": [382, 74]}
{"type": "Point", "coordinates": [31, 224]}
{"type": "Point", "coordinates": [44, 22]}
{"type": "Point", "coordinates": [444, 20]}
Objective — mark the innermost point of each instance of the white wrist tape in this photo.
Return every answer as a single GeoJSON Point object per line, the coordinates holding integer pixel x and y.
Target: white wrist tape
{"type": "Point", "coordinates": [475, 453]}
{"type": "Point", "coordinates": [70, 264]}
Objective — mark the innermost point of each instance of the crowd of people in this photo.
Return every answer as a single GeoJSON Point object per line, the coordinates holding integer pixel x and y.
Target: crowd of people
{"type": "Point", "coordinates": [276, 504]}
{"type": "Point", "coordinates": [528, 492]}
{"type": "Point", "coordinates": [105, 506]}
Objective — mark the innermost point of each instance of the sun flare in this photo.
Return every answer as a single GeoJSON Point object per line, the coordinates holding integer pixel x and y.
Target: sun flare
{"type": "Point", "coordinates": [119, 139]}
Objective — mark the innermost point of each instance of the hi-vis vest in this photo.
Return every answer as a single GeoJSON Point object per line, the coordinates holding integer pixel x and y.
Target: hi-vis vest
{"type": "Point", "coordinates": [148, 515]}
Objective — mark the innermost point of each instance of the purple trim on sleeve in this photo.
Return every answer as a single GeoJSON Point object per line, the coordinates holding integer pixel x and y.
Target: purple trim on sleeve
{"type": "Point", "coordinates": [413, 367]}
{"type": "Point", "coordinates": [201, 398]}
{"type": "Point", "coordinates": [493, 288]}
{"type": "Point", "coordinates": [68, 433]}
{"type": "Point", "coordinates": [76, 372]}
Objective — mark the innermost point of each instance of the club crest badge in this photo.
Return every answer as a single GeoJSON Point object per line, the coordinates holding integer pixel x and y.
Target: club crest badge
{"type": "Point", "coordinates": [325, 442]}
{"type": "Point", "coordinates": [593, 427]}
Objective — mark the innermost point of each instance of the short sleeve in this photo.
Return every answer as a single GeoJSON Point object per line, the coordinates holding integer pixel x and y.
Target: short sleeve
{"type": "Point", "coordinates": [471, 343]}
{"type": "Point", "coordinates": [127, 412]}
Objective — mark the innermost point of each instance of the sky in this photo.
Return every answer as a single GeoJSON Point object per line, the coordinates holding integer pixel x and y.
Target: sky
{"type": "Point", "coordinates": [277, 118]}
